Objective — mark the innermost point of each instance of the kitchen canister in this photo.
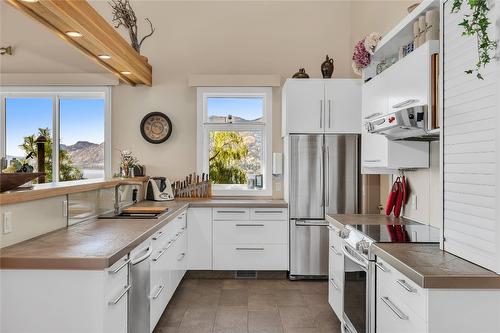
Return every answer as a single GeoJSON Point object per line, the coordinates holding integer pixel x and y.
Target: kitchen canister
{"type": "Point", "coordinates": [416, 34]}
{"type": "Point", "coordinates": [432, 24]}
{"type": "Point", "coordinates": [421, 28]}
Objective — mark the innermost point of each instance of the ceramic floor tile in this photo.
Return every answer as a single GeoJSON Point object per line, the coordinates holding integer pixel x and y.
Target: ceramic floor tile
{"type": "Point", "coordinates": [296, 316]}
{"type": "Point", "coordinates": [231, 319]}
{"type": "Point", "coordinates": [259, 302]}
{"type": "Point", "coordinates": [264, 322]}
{"type": "Point", "coordinates": [234, 297]}
{"type": "Point", "coordinates": [249, 306]}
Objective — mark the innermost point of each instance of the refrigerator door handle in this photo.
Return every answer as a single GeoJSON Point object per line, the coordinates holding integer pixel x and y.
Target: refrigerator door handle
{"type": "Point", "coordinates": [322, 173]}
{"type": "Point", "coordinates": [327, 176]}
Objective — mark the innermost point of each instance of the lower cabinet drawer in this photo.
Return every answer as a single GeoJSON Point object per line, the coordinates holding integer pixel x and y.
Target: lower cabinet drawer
{"type": "Point", "coordinates": [158, 301]}
{"type": "Point", "coordinates": [405, 290]}
{"type": "Point", "coordinates": [116, 300]}
{"type": "Point", "coordinates": [393, 316]}
{"type": "Point", "coordinates": [250, 257]}
{"type": "Point", "coordinates": [335, 294]}
{"type": "Point", "coordinates": [228, 214]}
{"type": "Point", "coordinates": [245, 232]}
{"type": "Point", "coordinates": [269, 214]}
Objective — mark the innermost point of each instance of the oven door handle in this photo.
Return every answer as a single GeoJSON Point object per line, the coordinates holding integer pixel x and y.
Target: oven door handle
{"type": "Point", "coordinates": [356, 260]}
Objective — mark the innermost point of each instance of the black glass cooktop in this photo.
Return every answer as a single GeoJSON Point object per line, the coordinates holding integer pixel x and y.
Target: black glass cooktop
{"type": "Point", "coordinates": [399, 233]}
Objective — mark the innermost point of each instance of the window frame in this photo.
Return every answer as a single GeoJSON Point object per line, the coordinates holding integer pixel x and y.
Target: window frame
{"type": "Point", "coordinates": [203, 129]}
{"type": "Point", "coordinates": [56, 93]}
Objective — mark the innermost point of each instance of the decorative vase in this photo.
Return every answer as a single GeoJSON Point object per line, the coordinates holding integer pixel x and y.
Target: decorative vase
{"type": "Point", "coordinates": [125, 171]}
{"type": "Point", "coordinates": [327, 68]}
{"type": "Point", "coordinates": [301, 74]}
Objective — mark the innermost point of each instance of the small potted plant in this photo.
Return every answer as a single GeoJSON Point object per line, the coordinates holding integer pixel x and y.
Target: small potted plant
{"type": "Point", "coordinates": [127, 163]}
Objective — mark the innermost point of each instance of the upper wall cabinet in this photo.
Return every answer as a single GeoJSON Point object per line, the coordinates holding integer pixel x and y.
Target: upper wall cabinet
{"type": "Point", "coordinates": [321, 106]}
{"type": "Point", "coordinates": [80, 25]}
{"type": "Point", "coordinates": [410, 81]}
{"type": "Point", "coordinates": [471, 145]}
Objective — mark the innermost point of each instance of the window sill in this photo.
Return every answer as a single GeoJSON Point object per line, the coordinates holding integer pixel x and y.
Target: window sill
{"type": "Point", "coordinates": [239, 191]}
{"type": "Point", "coordinates": [48, 190]}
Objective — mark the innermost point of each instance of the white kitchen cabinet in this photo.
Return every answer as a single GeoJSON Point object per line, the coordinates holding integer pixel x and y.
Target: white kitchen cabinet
{"type": "Point", "coordinates": [199, 223]}
{"type": "Point", "coordinates": [471, 148]}
{"type": "Point", "coordinates": [342, 106]}
{"type": "Point", "coordinates": [406, 83]}
{"type": "Point", "coordinates": [321, 106]}
{"type": "Point", "coordinates": [80, 301]}
{"type": "Point", "coordinates": [250, 239]}
{"type": "Point", "coordinates": [404, 306]}
{"type": "Point", "coordinates": [335, 272]}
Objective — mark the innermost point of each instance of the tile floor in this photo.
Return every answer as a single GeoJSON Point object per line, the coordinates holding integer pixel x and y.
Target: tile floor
{"type": "Point", "coordinates": [249, 306]}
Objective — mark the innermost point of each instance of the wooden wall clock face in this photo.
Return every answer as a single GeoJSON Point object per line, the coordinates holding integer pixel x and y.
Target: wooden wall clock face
{"type": "Point", "coordinates": [156, 127]}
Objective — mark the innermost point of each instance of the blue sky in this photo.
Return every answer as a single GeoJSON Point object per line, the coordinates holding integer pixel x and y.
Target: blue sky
{"type": "Point", "coordinates": [80, 120]}
{"type": "Point", "coordinates": [247, 108]}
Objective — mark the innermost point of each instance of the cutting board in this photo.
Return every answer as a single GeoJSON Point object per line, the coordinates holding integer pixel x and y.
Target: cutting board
{"type": "Point", "coordinates": [144, 210]}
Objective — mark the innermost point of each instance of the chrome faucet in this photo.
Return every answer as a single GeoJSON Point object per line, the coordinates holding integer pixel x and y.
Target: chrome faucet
{"type": "Point", "coordinates": [117, 197]}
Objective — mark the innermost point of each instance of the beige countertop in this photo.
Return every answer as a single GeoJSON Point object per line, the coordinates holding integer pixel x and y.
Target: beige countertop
{"type": "Point", "coordinates": [99, 244]}
{"type": "Point", "coordinates": [430, 267]}
{"type": "Point", "coordinates": [341, 220]}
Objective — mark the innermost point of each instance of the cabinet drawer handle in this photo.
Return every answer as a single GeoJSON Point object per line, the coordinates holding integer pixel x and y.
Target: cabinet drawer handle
{"type": "Point", "coordinates": [334, 284]}
{"type": "Point", "coordinates": [404, 103]}
{"type": "Point", "coordinates": [372, 161]}
{"type": "Point", "coordinates": [249, 225]}
{"type": "Point", "coordinates": [329, 113]}
{"type": "Point", "coordinates": [250, 249]}
{"type": "Point", "coordinates": [181, 256]}
{"type": "Point", "coordinates": [394, 308]}
{"type": "Point", "coordinates": [268, 211]}
{"type": "Point", "coordinates": [320, 113]}
{"type": "Point", "coordinates": [405, 285]}
{"type": "Point", "coordinates": [125, 291]}
{"type": "Point", "coordinates": [335, 251]}
{"type": "Point", "coordinates": [160, 289]}
{"type": "Point", "coordinates": [159, 254]}
{"type": "Point", "coordinates": [373, 115]}
{"type": "Point", "coordinates": [382, 267]}
{"type": "Point", "coordinates": [158, 235]}
{"type": "Point", "coordinates": [231, 212]}
{"type": "Point", "coordinates": [119, 268]}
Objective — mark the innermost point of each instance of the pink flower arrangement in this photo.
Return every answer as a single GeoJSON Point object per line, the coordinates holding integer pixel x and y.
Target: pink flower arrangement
{"type": "Point", "coordinates": [363, 52]}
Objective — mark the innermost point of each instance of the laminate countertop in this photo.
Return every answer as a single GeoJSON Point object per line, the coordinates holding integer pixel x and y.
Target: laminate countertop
{"type": "Point", "coordinates": [342, 220]}
{"type": "Point", "coordinates": [98, 244]}
{"type": "Point", "coordinates": [430, 267]}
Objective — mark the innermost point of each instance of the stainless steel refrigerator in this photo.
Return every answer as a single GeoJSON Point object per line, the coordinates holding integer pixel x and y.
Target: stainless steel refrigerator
{"type": "Point", "coordinates": [324, 178]}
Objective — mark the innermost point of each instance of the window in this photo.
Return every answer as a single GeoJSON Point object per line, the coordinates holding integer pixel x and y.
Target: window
{"type": "Point", "coordinates": [74, 121]}
{"type": "Point", "coordinates": [234, 139]}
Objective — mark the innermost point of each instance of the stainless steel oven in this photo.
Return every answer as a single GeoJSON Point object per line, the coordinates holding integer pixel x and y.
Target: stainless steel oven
{"type": "Point", "coordinates": [359, 280]}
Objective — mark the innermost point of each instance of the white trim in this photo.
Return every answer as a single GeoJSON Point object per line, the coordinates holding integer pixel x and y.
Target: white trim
{"type": "Point", "coordinates": [265, 126]}
{"type": "Point", "coordinates": [59, 79]}
{"type": "Point", "coordinates": [56, 93]}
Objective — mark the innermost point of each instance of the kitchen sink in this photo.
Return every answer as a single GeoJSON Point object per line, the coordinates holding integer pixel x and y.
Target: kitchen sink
{"type": "Point", "coordinates": [131, 215]}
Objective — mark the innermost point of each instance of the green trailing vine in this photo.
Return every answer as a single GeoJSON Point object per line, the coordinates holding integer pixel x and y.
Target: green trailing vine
{"type": "Point", "coordinates": [477, 24]}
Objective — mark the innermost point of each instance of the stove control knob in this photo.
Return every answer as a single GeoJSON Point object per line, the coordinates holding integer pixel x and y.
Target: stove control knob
{"type": "Point", "coordinates": [344, 233]}
{"type": "Point", "coordinates": [363, 246]}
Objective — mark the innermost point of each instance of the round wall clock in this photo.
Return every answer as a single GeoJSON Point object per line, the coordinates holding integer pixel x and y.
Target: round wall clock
{"type": "Point", "coordinates": [156, 127]}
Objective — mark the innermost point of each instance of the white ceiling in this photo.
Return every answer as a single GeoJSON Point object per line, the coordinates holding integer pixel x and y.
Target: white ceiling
{"type": "Point", "coordinates": [36, 48]}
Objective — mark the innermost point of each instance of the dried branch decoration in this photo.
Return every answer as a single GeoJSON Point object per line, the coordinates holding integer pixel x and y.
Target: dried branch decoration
{"type": "Point", "coordinates": [124, 15]}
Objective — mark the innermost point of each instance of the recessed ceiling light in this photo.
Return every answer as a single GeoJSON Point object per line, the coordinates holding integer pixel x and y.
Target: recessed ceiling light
{"type": "Point", "coordinates": [126, 72]}
{"type": "Point", "coordinates": [73, 34]}
{"type": "Point", "coordinates": [29, 1]}
{"type": "Point", "coordinates": [104, 56]}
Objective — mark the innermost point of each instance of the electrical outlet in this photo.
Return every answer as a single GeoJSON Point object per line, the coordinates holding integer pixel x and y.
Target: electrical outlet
{"type": "Point", "coordinates": [7, 222]}
{"type": "Point", "coordinates": [277, 186]}
{"type": "Point", "coordinates": [414, 202]}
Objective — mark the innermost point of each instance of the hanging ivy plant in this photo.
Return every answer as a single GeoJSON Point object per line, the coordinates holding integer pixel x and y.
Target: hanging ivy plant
{"type": "Point", "coordinates": [477, 24]}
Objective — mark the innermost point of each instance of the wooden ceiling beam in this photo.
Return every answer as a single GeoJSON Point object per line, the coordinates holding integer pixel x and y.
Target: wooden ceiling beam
{"type": "Point", "coordinates": [99, 37]}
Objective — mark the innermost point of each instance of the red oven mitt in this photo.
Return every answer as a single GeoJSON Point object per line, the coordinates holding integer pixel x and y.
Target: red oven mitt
{"type": "Point", "coordinates": [399, 199]}
{"type": "Point", "coordinates": [391, 199]}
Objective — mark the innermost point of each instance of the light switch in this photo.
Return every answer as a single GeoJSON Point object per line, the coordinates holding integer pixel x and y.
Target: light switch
{"type": "Point", "coordinates": [7, 222]}
{"type": "Point", "coordinates": [414, 201]}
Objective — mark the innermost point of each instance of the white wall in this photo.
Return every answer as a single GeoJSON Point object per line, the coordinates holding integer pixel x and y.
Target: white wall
{"type": "Point", "coordinates": [231, 37]}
